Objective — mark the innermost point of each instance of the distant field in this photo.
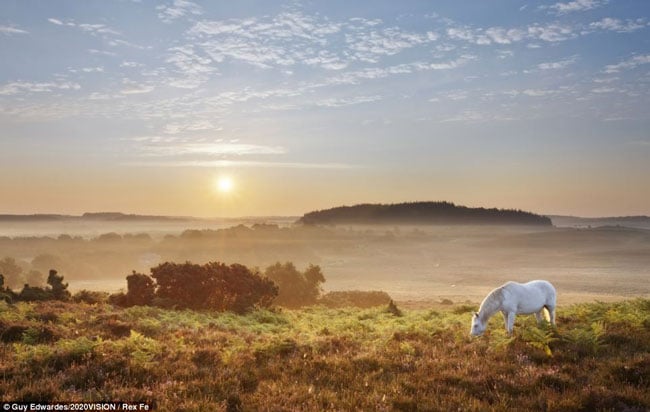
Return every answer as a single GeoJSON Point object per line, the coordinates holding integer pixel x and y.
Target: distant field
{"type": "Point", "coordinates": [325, 359]}
{"type": "Point", "coordinates": [416, 264]}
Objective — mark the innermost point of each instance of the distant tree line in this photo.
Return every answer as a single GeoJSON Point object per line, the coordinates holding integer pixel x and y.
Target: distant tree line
{"type": "Point", "coordinates": [211, 286]}
{"type": "Point", "coordinates": [422, 213]}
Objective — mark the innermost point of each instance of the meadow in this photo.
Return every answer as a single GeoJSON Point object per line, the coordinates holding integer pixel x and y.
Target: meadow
{"type": "Point", "coordinates": [315, 358]}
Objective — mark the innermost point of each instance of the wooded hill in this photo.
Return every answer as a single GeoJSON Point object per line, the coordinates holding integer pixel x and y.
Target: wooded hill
{"type": "Point", "coordinates": [441, 213]}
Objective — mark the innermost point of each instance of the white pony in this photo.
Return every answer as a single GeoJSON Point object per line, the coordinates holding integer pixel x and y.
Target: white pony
{"type": "Point", "coordinates": [514, 298]}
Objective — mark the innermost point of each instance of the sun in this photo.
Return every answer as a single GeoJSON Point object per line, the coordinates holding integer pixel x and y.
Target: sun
{"type": "Point", "coordinates": [224, 184]}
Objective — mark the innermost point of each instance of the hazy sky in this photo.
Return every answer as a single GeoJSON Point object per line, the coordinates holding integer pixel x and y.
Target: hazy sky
{"type": "Point", "coordinates": [141, 106]}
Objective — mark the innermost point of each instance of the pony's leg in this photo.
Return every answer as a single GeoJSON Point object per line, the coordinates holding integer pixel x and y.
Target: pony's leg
{"type": "Point", "coordinates": [551, 314]}
{"type": "Point", "coordinates": [510, 321]}
{"type": "Point", "coordinates": [539, 316]}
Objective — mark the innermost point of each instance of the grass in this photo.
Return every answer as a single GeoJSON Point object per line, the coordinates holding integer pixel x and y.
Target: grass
{"type": "Point", "coordinates": [326, 359]}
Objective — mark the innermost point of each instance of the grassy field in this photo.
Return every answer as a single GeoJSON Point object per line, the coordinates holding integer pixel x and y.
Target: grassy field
{"type": "Point", "coordinates": [326, 359]}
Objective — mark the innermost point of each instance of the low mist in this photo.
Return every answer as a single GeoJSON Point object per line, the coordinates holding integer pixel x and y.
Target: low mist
{"type": "Point", "coordinates": [412, 263]}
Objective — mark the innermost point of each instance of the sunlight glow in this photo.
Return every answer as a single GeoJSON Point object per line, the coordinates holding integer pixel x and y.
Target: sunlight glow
{"type": "Point", "coordinates": [224, 184]}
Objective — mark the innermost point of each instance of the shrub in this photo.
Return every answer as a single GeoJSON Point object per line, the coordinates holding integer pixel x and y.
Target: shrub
{"type": "Point", "coordinates": [32, 293]}
{"type": "Point", "coordinates": [90, 297]}
{"type": "Point", "coordinates": [212, 286]}
{"type": "Point", "coordinates": [140, 289]}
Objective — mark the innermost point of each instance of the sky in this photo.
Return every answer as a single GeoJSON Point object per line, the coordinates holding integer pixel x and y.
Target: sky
{"type": "Point", "coordinates": [223, 108]}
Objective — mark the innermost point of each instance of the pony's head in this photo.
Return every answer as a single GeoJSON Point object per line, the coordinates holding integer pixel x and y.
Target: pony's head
{"type": "Point", "coordinates": [478, 327]}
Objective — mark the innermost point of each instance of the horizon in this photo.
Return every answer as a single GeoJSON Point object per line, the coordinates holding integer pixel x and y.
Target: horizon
{"type": "Point", "coordinates": [277, 108]}
{"type": "Point", "coordinates": [150, 215]}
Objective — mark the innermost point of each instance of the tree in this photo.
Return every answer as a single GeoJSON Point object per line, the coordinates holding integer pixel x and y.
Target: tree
{"type": "Point", "coordinates": [213, 285]}
{"type": "Point", "coordinates": [11, 271]}
{"type": "Point", "coordinates": [5, 294]}
{"type": "Point", "coordinates": [295, 289]}
{"type": "Point", "coordinates": [35, 278]}
{"type": "Point", "coordinates": [140, 289]}
{"type": "Point", "coordinates": [239, 290]}
{"type": "Point", "coordinates": [186, 284]}
{"type": "Point", "coordinates": [59, 289]}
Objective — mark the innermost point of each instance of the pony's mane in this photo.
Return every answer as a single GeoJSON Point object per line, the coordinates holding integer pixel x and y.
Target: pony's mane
{"type": "Point", "coordinates": [491, 303]}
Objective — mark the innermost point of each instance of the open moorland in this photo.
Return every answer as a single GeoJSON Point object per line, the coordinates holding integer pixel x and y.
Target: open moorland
{"type": "Point", "coordinates": [598, 358]}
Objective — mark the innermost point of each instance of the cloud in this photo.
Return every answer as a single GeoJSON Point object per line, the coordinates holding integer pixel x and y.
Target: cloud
{"type": "Point", "coordinates": [98, 69]}
{"type": "Point", "coordinates": [178, 9]}
{"type": "Point", "coordinates": [500, 35]}
{"type": "Point", "coordinates": [190, 125]}
{"type": "Point", "coordinates": [552, 32]}
{"type": "Point", "coordinates": [347, 101]}
{"type": "Point", "coordinates": [561, 64]}
{"type": "Point", "coordinates": [243, 163]}
{"type": "Point", "coordinates": [283, 40]}
{"type": "Point", "coordinates": [132, 87]}
{"type": "Point", "coordinates": [628, 64]}
{"type": "Point", "coordinates": [452, 64]}
{"type": "Point", "coordinates": [17, 88]}
{"type": "Point", "coordinates": [193, 68]}
{"type": "Point", "coordinates": [55, 21]}
{"type": "Point", "coordinates": [574, 6]}
{"type": "Point", "coordinates": [9, 30]}
{"type": "Point", "coordinates": [327, 60]}
{"type": "Point", "coordinates": [190, 150]}
{"type": "Point", "coordinates": [131, 64]}
{"type": "Point", "coordinates": [465, 116]}
{"type": "Point", "coordinates": [96, 29]}
{"type": "Point", "coordinates": [221, 148]}
{"type": "Point", "coordinates": [539, 92]}
{"type": "Point", "coordinates": [618, 25]}
{"type": "Point", "coordinates": [368, 47]}
{"type": "Point", "coordinates": [102, 52]}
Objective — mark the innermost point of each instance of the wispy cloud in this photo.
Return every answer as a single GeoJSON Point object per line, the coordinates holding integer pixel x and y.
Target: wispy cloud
{"type": "Point", "coordinates": [574, 6]}
{"type": "Point", "coordinates": [179, 8]}
{"type": "Point", "coordinates": [18, 88]}
{"type": "Point", "coordinates": [242, 164]}
{"type": "Point", "coordinates": [556, 65]}
{"type": "Point", "coordinates": [347, 101]}
{"type": "Point", "coordinates": [451, 64]}
{"type": "Point", "coordinates": [549, 32]}
{"type": "Point", "coordinates": [628, 64]}
{"type": "Point", "coordinates": [369, 47]}
{"type": "Point", "coordinates": [133, 87]}
{"type": "Point", "coordinates": [181, 146]}
{"type": "Point", "coordinates": [96, 29]}
{"type": "Point", "coordinates": [192, 68]}
{"type": "Point", "coordinates": [618, 25]}
{"type": "Point", "coordinates": [538, 92]}
{"type": "Point", "coordinates": [9, 30]}
{"type": "Point", "coordinates": [285, 39]}
{"type": "Point", "coordinates": [215, 149]}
